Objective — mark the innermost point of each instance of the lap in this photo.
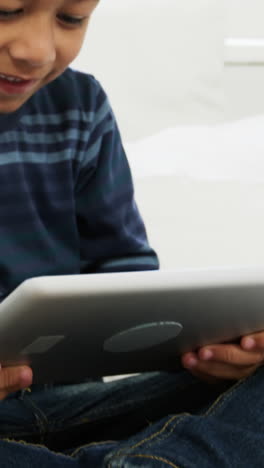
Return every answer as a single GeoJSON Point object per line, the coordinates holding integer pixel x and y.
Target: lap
{"type": "Point", "coordinates": [118, 408]}
{"type": "Point", "coordinates": [157, 420]}
{"type": "Point", "coordinates": [228, 432]}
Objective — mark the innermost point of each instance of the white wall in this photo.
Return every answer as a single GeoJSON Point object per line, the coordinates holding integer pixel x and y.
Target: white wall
{"type": "Point", "coordinates": [245, 18]}
{"type": "Point", "coordinates": [244, 69]}
{"type": "Point", "coordinates": [160, 61]}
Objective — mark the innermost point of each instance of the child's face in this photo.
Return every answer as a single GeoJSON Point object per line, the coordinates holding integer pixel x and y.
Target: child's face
{"type": "Point", "coordinates": [38, 41]}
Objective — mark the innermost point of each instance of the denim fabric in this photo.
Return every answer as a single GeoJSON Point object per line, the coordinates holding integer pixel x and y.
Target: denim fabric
{"type": "Point", "coordinates": [151, 420]}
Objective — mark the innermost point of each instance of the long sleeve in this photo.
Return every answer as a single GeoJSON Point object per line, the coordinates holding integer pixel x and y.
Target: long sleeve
{"type": "Point", "coordinates": [112, 233]}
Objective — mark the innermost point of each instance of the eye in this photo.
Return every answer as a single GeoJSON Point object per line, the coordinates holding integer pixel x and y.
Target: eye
{"type": "Point", "coordinates": [72, 19]}
{"type": "Point", "coordinates": [9, 14]}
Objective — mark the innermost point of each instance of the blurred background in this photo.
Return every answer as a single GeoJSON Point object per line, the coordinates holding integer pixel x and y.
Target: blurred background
{"type": "Point", "coordinates": [178, 57]}
{"type": "Point", "coordinates": [185, 79]}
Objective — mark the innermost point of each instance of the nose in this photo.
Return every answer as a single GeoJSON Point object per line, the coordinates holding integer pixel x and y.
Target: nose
{"type": "Point", "coordinates": [35, 45]}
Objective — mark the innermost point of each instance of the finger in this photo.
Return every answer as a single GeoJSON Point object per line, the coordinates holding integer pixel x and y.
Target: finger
{"type": "Point", "coordinates": [227, 354]}
{"type": "Point", "coordinates": [231, 354]}
{"type": "Point", "coordinates": [253, 341]}
{"type": "Point", "coordinates": [13, 379]}
{"type": "Point", "coordinates": [189, 360]}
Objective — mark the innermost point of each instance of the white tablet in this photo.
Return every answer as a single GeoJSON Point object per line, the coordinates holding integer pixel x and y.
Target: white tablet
{"type": "Point", "coordinates": [70, 328]}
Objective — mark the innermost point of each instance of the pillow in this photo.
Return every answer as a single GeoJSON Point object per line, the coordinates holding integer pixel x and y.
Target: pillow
{"type": "Point", "coordinates": [160, 61]}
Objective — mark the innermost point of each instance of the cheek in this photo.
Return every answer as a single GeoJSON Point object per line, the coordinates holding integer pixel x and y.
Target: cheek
{"type": "Point", "coordinates": [69, 48]}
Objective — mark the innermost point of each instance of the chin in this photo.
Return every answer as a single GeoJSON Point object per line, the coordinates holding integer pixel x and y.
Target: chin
{"type": "Point", "coordinates": [12, 105]}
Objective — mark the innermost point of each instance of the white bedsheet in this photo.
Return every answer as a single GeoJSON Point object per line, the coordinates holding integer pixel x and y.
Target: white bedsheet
{"type": "Point", "coordinates": [228, 151]}
{"type": "Point", "coordinates": [201, 193]}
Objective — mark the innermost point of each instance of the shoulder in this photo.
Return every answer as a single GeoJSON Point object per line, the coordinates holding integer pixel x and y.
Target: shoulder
{"type": "Point", "coordinates": [77, 88]}
{"type": "Point", "coordinates": [73, 91]}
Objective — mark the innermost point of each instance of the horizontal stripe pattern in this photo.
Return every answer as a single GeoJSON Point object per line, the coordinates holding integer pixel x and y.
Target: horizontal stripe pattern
{"type": "Point", "coordinates": [30, 153]}
{"type": "Point", "coordinates": [66, 199]}
{"type": "Point", "coordinates": [69, 116]}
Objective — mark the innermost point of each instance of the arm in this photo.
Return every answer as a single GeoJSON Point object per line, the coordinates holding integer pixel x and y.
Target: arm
{"type": "Point", "coordinates": [112, 234]}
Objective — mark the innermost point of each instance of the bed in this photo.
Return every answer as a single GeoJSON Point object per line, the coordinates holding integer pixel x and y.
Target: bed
{"type": "Point", "coordinates": [190, 107]}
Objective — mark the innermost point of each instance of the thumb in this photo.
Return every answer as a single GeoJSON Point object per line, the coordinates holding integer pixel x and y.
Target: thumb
{"type": "Point", "coordinates": [13, 379]}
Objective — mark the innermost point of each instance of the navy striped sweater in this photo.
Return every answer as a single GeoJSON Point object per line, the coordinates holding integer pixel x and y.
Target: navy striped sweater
{"type": "Point", "coordinates": [66, 202]}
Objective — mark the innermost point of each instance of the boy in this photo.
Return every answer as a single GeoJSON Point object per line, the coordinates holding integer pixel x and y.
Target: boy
{"type": "Point", "coordinates": [67, 207]}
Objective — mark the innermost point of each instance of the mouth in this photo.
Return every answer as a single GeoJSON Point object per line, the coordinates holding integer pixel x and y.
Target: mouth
{"type": "Point", "coordinates": [15, 79]}
{"type": "Point", "coordinates": [15, 85]}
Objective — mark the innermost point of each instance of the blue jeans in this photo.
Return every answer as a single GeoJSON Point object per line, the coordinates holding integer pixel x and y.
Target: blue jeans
{"type": "Point", "coordinates": [151, 420]}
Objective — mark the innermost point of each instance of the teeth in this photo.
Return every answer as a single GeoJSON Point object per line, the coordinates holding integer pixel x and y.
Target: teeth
{"type": "Point", "coordinates": [16, 80]}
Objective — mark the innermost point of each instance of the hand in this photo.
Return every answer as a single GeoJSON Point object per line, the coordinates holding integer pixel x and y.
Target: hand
{"type": "Point", "coordinates": [13, 379]}
{"type": "Point", "coordinates": [227, 361]}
